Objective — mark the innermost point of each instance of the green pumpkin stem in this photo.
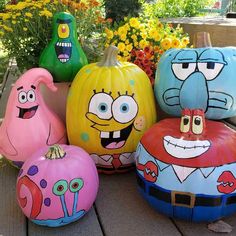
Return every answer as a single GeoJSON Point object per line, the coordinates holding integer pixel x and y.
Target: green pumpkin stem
{"type": "Point", "coordinates": [55, 152]}
{"type": "Point", "coordinates": [202, 40]}
{"type": "Point", "coordinates": [110, 57]}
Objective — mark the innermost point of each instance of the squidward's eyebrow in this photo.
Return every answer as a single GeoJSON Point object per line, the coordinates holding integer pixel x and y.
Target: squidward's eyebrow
{"type": "Point", "coordinates": [33, 87]}
{"type": "Point", "coordinates": [21, 87]}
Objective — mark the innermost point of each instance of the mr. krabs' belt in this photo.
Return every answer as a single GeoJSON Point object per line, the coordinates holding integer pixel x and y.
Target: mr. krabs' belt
{"type": "Point", "coordinates": [184, 199]}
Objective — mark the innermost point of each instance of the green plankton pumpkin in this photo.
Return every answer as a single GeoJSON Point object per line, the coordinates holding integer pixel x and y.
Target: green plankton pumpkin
{"type": "Point", "coordinates": [110, 105]}
{"type": "Point", "coordinates": [63, 56]}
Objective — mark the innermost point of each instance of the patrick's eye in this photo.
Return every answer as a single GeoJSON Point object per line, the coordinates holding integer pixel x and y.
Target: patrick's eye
{"type": "Point", "coordinates": [197, 126]}
{"type": "Point", "coordinates": [100, 105]}
{"type": "Point", "coordinates": [22, 97]}
{"type": "Point", "coordinates": [31, 96]}
{"type": "Point", "coordinates": [185, 124]}
{"type": "Point", "coordinates": [124, 109]}
{"type": "Point", "coordinates": [210, 69]}
{"type": "Point", "coordinates": [76, 185]}
{"type": "Point", "coordinates": [183, 70]}
{"type": "Point", "coordinates": [60, 187]}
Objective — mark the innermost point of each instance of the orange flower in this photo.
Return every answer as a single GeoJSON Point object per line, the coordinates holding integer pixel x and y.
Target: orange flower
{"type": "Point", "coordinates": [93, 3]}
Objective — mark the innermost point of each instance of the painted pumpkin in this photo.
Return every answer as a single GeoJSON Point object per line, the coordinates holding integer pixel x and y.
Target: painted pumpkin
{"type": "Point", "coordinates": [197, 78]}
{"type": "Point", "coordinates": [29, 124]}
{"type": "Point", "coordinates": [110, 104]}
{"type": "Point", "coordinates": [186, 168]}
{"type": "Point", "coordinates": [63, 56]}
{"type": "Point", "coordinates": [57, 186]}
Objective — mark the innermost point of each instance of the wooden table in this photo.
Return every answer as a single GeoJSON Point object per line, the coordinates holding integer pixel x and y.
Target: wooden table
{"type": "Point", "coordinates": [119, 209]}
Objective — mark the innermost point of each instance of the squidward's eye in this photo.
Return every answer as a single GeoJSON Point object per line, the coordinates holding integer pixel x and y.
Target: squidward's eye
{"type": "Point", "coordinates": [76, 185]}
{"type": "Point", "coordinates": [22, 97]}
{"type": "Point", "coordinates": [183, 70]}
{"type": "Point", "coordinates": [100, 105]}
{"type": "Point", "coordinates": [60, 187]}
{"type": "Point", "coordinates": [210, 69]}
{"type": "Point", "coordinates": [197, 126]}
{"type": "Point", "coordinates": [211, 62]}
{"type": "Point", "coordinates": [185, 124]}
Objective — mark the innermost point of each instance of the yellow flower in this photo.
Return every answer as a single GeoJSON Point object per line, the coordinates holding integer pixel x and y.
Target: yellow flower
{"type": "Point", "coordinates": [8, 29]}
{"type": "Point", "coordinates": [5, 16]}
{"type": "Point", "coordinates": [26, 20]}
{"type": "Point", "coordinates": [166, 43]}
{"type": "Point", "coordinates": [123, 37]}
{"type": "Point", "coordinates": [157, 37]}
{"type": "Point", "coordinates": [175, 43]}
{"type": "Point", "coordinates": [25, 29]}
{"type": "Point", "coordinates": [126, 53]}
{"type": "Point", "coordinates": [28, 14]}
{"type": "Point", "coordinates": [13, 22]}
{"type": "Point", "coordinates": [18, 14]}
{"type": "Point", "coordinates": [109, 33]}
{"type": "Point", "coordinates": [185, 41]}
{"type": "Point", "coordinates": [129, 47]}
{"type": "Point", "coordinates": [1, 33]}
{"type": "Point", "coordinates": [21, 5]}
{"type": "Point", "coordinates": [134, 37]}
{"type": "Point", "coordinates": [122, 30]}
{"type": "Point", "coordinates": [143, 44]}
{"type": "Point", "coordinates": [45, 13]}
{"type": "Point", "coordinates": [127, 27]}
{"type": "Point", "coordinates": [134, 22]}
{"type": "Point", "coordinates": [121, 46]}
{"type": "Point", "coordinates": [126, 41]}
{"type": "Point", "coordinates": [47, 1]}
{"type": "Point", "coordinates": [143, 35]}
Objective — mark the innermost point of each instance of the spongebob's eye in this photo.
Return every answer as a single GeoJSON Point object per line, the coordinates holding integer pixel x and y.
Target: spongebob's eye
{"type": "Point", "coordinates": [22, 97]}
{"type": "Point", "coordinates": [185, 124]}
{"type": "Point", "coordinates": [124, 109]}
{"type": "Point", "coordinates": [183, 70]}
{"type": "Point", "coordinates": [100, 105]}
{"type": "Point", "coordinates": [60, 187]}
{"type": "Point", "coordinates": [197, 126]}
{"type": "Point", "coordinates": [210, 69]}
{"type": "Point", "coordinates": [31, 96]}
{"type": "Point", "coordinates": [76, 185]}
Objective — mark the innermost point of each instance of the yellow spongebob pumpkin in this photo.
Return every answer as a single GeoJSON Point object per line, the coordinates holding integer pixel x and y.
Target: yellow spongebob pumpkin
{"type": "Point", "coordinates": [110, 104]}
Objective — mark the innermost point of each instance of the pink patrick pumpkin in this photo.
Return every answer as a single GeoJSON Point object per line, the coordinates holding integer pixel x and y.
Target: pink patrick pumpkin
{"type": "Point", "coordinates": [57, 185]}
{"type": "Point", "coordinates": [29, 124]}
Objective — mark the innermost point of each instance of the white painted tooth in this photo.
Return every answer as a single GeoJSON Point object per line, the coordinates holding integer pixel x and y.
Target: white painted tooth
{"type": "Point", "coordinates": [63, 44]}
{"type": "Point", "coordinates": [104, 134]}
{"type": "Point", "coordinates": [70, 44]}
{"type": "Point", "coordinates": [116, 134]}
{"type": "Point", "coordinates": [57, 43]}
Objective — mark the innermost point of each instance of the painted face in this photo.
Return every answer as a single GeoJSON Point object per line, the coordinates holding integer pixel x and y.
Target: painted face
{"type": "Point", "coordinates": [197, 78]}
{"type": "Point", "coordinates": [27, 102]}
{"type": "Point", "coordinates": [63, 46]}
{"type": "Point", "coordinates": [113, 118]}
{"type": "Point", "coordinates": [196, 142]}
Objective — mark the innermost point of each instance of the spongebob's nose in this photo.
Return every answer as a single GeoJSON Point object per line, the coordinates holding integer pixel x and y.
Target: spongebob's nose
{"type": "Point", "coordinates": [194, 92]}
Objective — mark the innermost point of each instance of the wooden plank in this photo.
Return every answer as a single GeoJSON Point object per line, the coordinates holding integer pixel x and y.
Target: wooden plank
{"type": "Point", "coordinates": [86, 226]}
{"type": "Point", "coordinates": [12, 220]}
{"type": "Point", "coordinates": [196, 229]}
{"type": "Point", "coordinates": [122, 211]}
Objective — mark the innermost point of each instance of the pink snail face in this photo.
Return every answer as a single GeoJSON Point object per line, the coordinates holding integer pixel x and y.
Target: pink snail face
{"type": "Point", "coordinates": [61, 196]}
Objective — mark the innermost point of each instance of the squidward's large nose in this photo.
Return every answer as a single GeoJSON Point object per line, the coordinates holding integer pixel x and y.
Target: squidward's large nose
{"type": "Point", "coordinates": [194, 92]}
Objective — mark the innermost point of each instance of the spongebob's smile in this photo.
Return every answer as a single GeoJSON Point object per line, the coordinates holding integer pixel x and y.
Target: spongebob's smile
{"type": "Point", "coordinates": [115, 139]}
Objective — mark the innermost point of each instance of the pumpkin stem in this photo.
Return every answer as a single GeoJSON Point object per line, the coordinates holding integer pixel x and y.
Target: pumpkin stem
{"type": "Point", "coordinates": [55, 152]}
{"type": "Point", "coordinates": [110, 57]}
{"type": "Point", "coordinates": [201, 40]}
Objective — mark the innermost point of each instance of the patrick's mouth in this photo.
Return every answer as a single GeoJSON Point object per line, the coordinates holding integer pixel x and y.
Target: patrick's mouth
{"type": "Point", "coordinates": [115, 139]}
{"type": "Point", "coordinates": [27, 113]}
{"type": "Point", "coordinates": [63, 51]}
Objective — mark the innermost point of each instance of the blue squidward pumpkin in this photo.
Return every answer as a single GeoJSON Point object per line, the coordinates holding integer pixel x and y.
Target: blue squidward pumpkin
{"type": "Point", "coordinates": [110, 104]}
{"type": "Point", "coordinates": [198, 78]}
{"type": "Point", "coordinates": [186, 167]}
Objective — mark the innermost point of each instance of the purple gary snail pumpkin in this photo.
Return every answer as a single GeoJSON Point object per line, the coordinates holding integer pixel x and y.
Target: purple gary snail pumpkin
{"type": "Point", "coordinates": [109, 106]}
